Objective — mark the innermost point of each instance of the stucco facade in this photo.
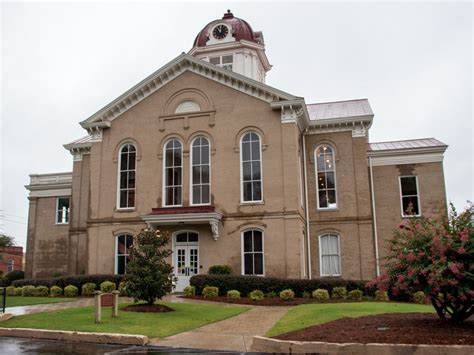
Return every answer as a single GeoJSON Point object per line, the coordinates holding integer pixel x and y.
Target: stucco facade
{"type": "Point", "coordinates": [192, 98]}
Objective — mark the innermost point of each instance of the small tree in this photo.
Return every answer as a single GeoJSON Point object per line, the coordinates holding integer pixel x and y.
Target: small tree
{"type": "Point", "coordinates": [149, 275]}
{"type": "Point", "coordinates": [436, 256]}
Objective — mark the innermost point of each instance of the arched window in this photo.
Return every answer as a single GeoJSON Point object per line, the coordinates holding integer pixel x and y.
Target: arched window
{"type": "Point", "coordinates": [329, 255]}
{"type": "Point", "coordinates": [10, 265]}
{"type": "Point", "coordinates": [187, 106]}
{"type": "Point", "coordinates": [200, 172]}
{"type": "Point", "coordinates": [326, 177]}
{"type": "Point", "coordinates": [251, 168]}
{"type": "Point", "coordinates": [127, 175]}
{"type": "Point", "coordinates": [173, 187]}
{"type": "Point", "coordinates": [122, 255]}
{"type": "Point", "coordinates": [252, 252]}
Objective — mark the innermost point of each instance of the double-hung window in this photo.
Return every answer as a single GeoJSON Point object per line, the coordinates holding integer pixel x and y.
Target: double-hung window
{"type": "Point", "coordinates": [252, 253]}
{"type": "Point", "coordinates": [173, 174]}
{"type": "Point", "coordinates": [127, 175]}
{"type": "Point", "coordinates": [330, 255]}
{"type": "Point", "coordinates": [200, 174]}
{"type": "Point", "coordinates": [10, 265]}
{"type": "Point", "coordinates": [251, 168]}
{"type": "Point", "coordinates": [122, 256]}
{"type": "Point", "coordinates": [410, 198]}
{"type": "Point", "coordinates": [62, 210]}
{"type": "Point", "coordinates": [325, 177]}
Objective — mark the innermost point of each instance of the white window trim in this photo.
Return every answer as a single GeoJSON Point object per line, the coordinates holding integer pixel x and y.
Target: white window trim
{"type": "Point", "coordinates": [220, 56]}
{"type": "Point", "coordinates": [242, 170]}
{"type": "Point", "coordinates": [321, 255]}
{"type": "Point", "coordinates": [316, 178]}
{"type": "Point", "coordinates": [242, 259]}
{"type": "Point", "coordinates": [119, 170]}
{"type": "Point", "coordinates": [417, 196]}
{"type": "Point", "coordinates": [163, 192]}
{"type": "Point", "coordinates": [116, 252]}
{"type": "Point", "coordinates": [57, 210]}
{"type": "Point", "coordinates": [191, 172]}
{"type": "Point", "coordinates": [10, 265]}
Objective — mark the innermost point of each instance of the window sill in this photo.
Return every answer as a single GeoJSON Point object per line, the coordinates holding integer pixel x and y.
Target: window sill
{"type": "Point", "coordinates": [120, 210]}
{"type": "Point", "coordinates": [338, 275]}
{"type": "Point", "coordinates": [251, 203]}
{"type": "Point", "coordinates": [412, 216]}
{"type": "Point", "coordinates": [62, 224]}
{"type": "Point", "coordinates": [327, 209]}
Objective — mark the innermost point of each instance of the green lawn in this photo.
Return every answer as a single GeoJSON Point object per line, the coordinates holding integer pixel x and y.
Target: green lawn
{"type": "Point", "coordinates": [13, 301]}
{"type": "Point", "coordinates": [155, 325]}
{"type": "Point", "coordinates": [306, 315]}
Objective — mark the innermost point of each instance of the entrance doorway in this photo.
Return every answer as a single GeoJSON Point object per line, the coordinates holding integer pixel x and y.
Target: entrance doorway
{"type": "Point", "coordinates": [185, 257]}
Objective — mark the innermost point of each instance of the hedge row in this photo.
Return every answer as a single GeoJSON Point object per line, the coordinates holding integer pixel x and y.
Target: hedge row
{"type": "Point", "coordinates": [246, 284]}
{"type": "Point", "coordinates": [77, 281]}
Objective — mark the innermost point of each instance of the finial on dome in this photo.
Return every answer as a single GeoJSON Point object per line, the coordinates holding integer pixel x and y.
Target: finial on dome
{"type": "Point", "coordinates": [228, 15]}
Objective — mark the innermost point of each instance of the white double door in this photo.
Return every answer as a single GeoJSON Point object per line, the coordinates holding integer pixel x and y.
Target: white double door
{"type": "Point", "coordinates": [186, 258]}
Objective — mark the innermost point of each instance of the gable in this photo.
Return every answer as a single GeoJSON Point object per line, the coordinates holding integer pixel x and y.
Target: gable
{"type": "Point", "coordinates": [172, 70]}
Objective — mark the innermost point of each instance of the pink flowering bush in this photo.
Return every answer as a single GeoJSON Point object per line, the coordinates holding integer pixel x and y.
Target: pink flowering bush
{"type": "Point", "coordinates": [436, 257]}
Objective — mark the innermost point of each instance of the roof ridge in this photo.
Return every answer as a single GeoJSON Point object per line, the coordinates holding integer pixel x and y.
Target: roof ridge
{"type": "Point", "coordinates": [333, 102]}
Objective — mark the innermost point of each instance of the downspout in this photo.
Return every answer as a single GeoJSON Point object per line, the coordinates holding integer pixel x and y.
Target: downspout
{"type": "Point", "coordinates": [372, 195]}
{"type": "Point", "coordinates": [308, 242]}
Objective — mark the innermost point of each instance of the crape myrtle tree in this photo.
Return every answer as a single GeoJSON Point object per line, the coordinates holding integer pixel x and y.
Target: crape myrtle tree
{"type": "Point", "coordinates": [436, 256]}
{"type": "Point", "coordinates": [149, 275]}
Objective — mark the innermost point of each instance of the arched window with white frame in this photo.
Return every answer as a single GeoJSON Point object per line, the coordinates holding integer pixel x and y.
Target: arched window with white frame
{"type": "Point", "coordinates": [329, 255]}
{"type": "Point", "coordinates": [127, 176]}
{"type": "Point", "coordinates": [326, 177]}
{"type": "Point", "coordinates": [253, 253]}
{"type": "Point", "coordinates": [122, 252]}
{"type": "Point", "coordinates": [251, 168]}
{"type": "Point", "coordinates": [200, 171]}
{"type": "Point", "coordinates": [173, 173]}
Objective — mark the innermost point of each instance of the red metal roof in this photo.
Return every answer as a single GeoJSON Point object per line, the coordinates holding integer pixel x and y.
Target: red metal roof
{"type": "Point", "coordinates": [240, 30]}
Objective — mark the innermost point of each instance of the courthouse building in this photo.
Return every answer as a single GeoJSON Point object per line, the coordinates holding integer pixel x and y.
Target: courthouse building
{"type": "Point", "coordinates": [236, 171]}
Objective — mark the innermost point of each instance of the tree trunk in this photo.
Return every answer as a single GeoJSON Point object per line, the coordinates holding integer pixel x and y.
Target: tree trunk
{"type": "Point", "coordinates": [438, 309]}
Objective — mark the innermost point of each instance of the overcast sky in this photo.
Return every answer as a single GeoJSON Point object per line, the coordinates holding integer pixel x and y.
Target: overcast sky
{"type": "Point", "coordinates": [61, 62]}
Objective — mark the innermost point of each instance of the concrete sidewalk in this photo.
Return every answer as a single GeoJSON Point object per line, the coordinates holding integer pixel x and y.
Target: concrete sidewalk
{"type": "Point", "coordinates": [234, 334]}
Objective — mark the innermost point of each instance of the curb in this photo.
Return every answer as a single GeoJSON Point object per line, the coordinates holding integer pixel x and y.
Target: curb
{"type": "Point", "coordinates": [271, 345]}
{"type": "Point", "coordinates": [81, 337]}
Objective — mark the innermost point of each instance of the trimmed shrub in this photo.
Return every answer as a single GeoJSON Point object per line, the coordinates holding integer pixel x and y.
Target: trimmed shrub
{"type": "Point", "coordinates": [189, 291]}
{"type": "Point", "coordinates": [88, 289]}
{"type": "Point", "coordinates": [210, 292]}
{"type": "Point", "coordinates": [56, 291]}
{"type": "Point", "coordinates": [41, 291]}
{"type": "Point", "coordinates": [123, 289]}
{"type": "Point", "coordinates": [64, 281]}
{"type": "Point", "coordinates": [355, 295]}
{"type": "Point", "coordinates": [18, 291]}
{"type": "Point", "coordinates": [220, 270]}
{"type": "Point", "coordinates": [419, 297]}
{"type": "Point", "coordinates": [306, 294]}
{"type": "Point", "coordinates": [11, 291]}
{"type": "Point", "coordinates": [12, 276]}
{"type": "Point", "coordinates": [287, 295]}
{"type": "Point", "coordinates": [233, 295]}
{"type": "Point", "coordinates": [246, 284]}
{"type": "Point", "coordinates": [271, 294]}
{"type": "Point", "coordinates": [381, 295]}
{"type": "Point", "coordinates": [107, 286]}
{"type": "Point", "coordinates": [321, 294]}
{"type": "Point", "coordinates": [27, 291]}
{"type": "Point", "coordinates": [71, 291]}
{"type": "Point", "coordinates": [339, 293]}
{"type": "Point", "coordinates": [256, 295]}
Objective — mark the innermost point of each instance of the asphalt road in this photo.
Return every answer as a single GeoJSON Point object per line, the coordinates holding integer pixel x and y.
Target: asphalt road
{"type": "Point", "coordinates": [30, 346]}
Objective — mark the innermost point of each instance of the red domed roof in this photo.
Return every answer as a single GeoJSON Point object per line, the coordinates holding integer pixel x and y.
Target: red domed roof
{"type": "Point", "coordinates": [240, 30]}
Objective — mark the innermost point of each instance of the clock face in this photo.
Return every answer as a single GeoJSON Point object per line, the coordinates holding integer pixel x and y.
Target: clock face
{"type": "Point", "coordinates": [220, 32]}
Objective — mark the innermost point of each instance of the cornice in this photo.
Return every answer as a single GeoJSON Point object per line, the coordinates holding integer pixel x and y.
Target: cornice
{"type": "Point", "coordinates": [358, 125]}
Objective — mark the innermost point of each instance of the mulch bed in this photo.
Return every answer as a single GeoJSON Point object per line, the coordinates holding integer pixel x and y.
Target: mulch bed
{"type": "Point", "coordinates": [154, 308]}
{"type": "Point", "coordinates": [265, 302]}
{"type": "Point", "coordinates": [398, 328]}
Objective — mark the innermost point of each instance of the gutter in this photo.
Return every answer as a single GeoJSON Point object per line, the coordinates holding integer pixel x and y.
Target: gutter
{"type": "Point", "coordinates": [372, 196]}
{"type": "Point", "coordinates": [308, 239]}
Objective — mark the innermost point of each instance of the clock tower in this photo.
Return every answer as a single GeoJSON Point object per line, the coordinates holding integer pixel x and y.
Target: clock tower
{"type": "Point", "coordinates": [230, 43]}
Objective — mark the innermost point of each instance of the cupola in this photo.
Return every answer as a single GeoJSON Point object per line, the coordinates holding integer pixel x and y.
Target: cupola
{"type": "Point", "coordinates": [231, 43]}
